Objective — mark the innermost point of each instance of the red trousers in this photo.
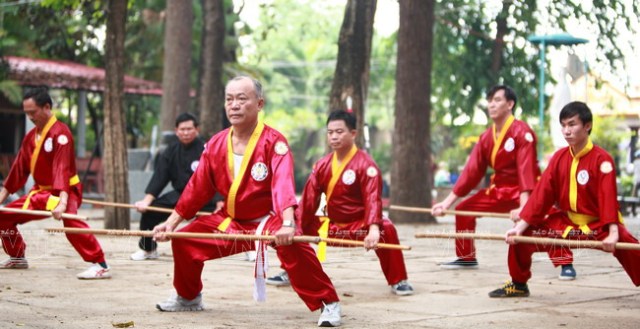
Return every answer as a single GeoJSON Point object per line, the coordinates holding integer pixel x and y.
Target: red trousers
{"type": "Point", "coordinates": [307, 277]}
{"type": "Point", "coordinates": [85, 244]}
{"type": "Point", "coordinates": [391, 261]}
{"type": "Point", "coordinates": [465, 248]}
{"type": "Point", "coordinates": [520, 254]}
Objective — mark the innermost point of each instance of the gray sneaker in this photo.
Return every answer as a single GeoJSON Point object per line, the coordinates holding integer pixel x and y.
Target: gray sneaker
{"type": "Point", "coordinates": [179, 304]}
{"type": "Point", "coordinates": [330, 316]}
{"type": "Point", "coordinates": [279, 280]}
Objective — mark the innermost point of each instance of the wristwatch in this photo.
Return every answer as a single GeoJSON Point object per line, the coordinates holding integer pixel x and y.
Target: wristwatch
{"type": "Point", "coordinates": [288, 223]}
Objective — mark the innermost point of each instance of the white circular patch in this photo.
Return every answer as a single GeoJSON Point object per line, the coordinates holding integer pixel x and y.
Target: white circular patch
{"type": "Point", "coordinates": [583, 177]}
{"type": "Point", "coordinates": [606, 167]}
{"type": "Point", "coordinates": [281, 148]}
{"type": "Point", "coordinates": [63, 140]}
{"type": "Point", "coordinates": [48, 144]}
{"type": "Point", "coordinates": [372, 171]}
{"type": "Point", "coordinates": [348, 177]}
{"type": "Point", "coordinates": [509, 145]}
{"type": "Point", "coordinates": [194, 165]}
{"type": "Point", "coordinates": [528, 137]}
{"type": "Point", "coordinates": [259, 171]}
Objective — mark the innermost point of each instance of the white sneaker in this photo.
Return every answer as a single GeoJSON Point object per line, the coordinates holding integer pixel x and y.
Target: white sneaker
{"type": "Point", "coordinates": [95, 272]}
{"type": "Point", "coordinates": [330, 316]}
{"type": "Point", "coordinates": [15, 263]}
{"type": "Point", "coordinates": [250, 256]}
{"type": "Point", "coordinates": [144, 255]}
{"type": "Point", "coordinates": [178, 304]}
{"type": "Point", "coordinates": [402, 288]}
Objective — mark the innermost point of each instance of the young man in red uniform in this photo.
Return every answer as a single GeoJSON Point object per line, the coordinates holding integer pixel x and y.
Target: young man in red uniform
{"type": "Point", "coordinates": [575, 199]}
{"type": "Point", "coordinates": [509, 148]}
{"type": "Point", "coordinates": [47, 154]}
{"type": "Point", "coordinates": [352, 184]}
{"type": "Point", "coordinates": [250, 165]}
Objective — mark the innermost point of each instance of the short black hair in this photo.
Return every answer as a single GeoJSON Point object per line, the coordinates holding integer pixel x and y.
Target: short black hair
{"type": "Point", "coordinates": [186, 116]}
{"type": "Point", "coordinates": [577, 108]}
{"type": "Point", "coordinates": [509, 94]}
{"type": "Point", "coordinates": [40, 96]}
{"type": "Point", "coordinates": [348, 118]}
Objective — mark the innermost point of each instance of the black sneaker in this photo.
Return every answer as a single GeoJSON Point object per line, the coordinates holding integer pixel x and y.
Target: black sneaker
{"type": "Point", "coordinates": [279, 280]}
{"type": "Point", "coordinates": [567, 273]}
{"type": "Point", "coordinates": [402, 288]}
{"type": "Point", "coordinates": [460, 264]}
{"type": "Point", "coordinates": [511, 289]}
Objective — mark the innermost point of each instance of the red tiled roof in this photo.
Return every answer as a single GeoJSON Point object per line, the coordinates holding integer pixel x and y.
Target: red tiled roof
{"type": "Point", "coordinates": [69, 75]}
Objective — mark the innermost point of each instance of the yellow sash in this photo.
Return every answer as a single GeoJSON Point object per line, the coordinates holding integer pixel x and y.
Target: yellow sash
{"type": "Point", "coordinates": [336, 172]}
{"type": "Point", "coordinates": [497, 141]}
{"type": "Point", "coordinates": [40, 141]}
{"type": "Point", "coordinates": [235, 185]}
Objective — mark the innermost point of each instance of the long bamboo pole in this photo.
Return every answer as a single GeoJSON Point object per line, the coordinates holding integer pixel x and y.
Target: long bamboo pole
{"type": "Point", "coordinates": [126, 205]}
{"type": "Point", "coordinates": [452, 212]}
{"type": "Point", "coordinates": [40, 213]}
{"type": "Point", "coordinates": [221, 236]}
{"type": "Point", "coordinates": [528, 239]}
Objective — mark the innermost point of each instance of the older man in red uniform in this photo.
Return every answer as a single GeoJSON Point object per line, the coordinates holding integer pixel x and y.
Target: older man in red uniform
{"type": "Point", "coordinates": [351, 182]}
{"type": "Point", "coordinates": [575, 199]}
{"type": "Point", "coordinates": [509, 147]}
{"type": "Point", "coordinates": [251, 167]}
{"type": "Point", "coordinates": [47, 154]}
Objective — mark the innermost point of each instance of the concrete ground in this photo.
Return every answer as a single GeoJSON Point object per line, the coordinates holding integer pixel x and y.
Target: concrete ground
{"type": "Point", "coordinates": [48, 295]}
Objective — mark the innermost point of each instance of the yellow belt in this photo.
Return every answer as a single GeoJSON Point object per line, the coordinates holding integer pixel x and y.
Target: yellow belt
{"type": "Point", "coordinates": [323, 233]}
{"type": "Point", "coordinates": [53, 200]}
{"type": "Point", "coordinates": [583, 221]}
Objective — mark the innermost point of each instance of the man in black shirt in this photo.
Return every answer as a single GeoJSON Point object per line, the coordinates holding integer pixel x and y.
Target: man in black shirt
{"type": "Point", "coordinates": [176, 165]}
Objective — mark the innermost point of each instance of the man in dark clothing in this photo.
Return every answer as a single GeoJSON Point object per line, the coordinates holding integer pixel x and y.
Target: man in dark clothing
{"type": "Point", "coordinates": [176, 165]}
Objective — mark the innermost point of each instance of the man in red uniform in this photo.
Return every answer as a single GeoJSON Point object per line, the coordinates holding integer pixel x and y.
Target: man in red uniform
{"type": "Point", "coordinates": [47, 154]}
{"type": "Point", "coordinates": [575, 199]}
{"type": "Point", "coordinates": [250, 165]}
{"type": "Point", "coordinates": [509, 148]}
{"type": "Point", "coordinates": [351, 182]}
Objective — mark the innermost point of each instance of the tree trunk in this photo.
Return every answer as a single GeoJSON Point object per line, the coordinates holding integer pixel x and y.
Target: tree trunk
{"type": "Point", "coordinates": [211, 91]}
{"type": "Point", "coordinates": [351, 78]}
{"type": "Point", "coordinates": [115, 145]}
{"type": "Point", "coordinates": [176, 84]}
{"type": "Point", "coordinates": [411, 169]}
{"type": "Point", "coordinates": [498, 46]}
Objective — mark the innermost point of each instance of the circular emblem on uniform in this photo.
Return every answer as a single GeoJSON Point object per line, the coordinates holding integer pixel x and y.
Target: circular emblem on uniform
{"type": "Point", "coordinates": [372, 171]}
{"type": "Point", "coordinates": [48, 144]}
{"type": "Point", "coordinates": [63, 140]}
{"type": "Point", "coordinates": [194, 165]}
{"type": "Point", "coordinates": [528, 137]}
{"type": "Point", "coordinates": [348, 177]}
{"type": "Point", "coordinates": [583, 177]}
{"type": "Point", "coordinates": [259, 171]}
{"type": "Point", "coordinates": [606, 167]}
{"type": "Point", "coordinates": [509, 145]}
{"type": "Point", "coordinates": [281, 148]}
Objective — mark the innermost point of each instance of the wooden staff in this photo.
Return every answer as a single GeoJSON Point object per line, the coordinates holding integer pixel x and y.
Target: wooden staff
{"type": "Point", "coordinates": [529, 239]}
{"type": "Point", "coordinates": [41, 213]}
{"type": "Point", "coordinates": [126, 205]}
{"type": "Point", "coordinates": [220, 236]}
{"type": "Point", "coordinates": [452, 212]}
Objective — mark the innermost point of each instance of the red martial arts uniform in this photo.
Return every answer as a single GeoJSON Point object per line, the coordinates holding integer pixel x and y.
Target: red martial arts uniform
{"type": "Point", "coordinates": [583, 189]}
{"type": "Point", "coordinates": [50, 160]}
{"type": "Point", "coordinates": [515, 167]}
{"type": "Point", "coordinates": [265, 189]}
{"type": "Point", "coordinates": [354, 204]}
